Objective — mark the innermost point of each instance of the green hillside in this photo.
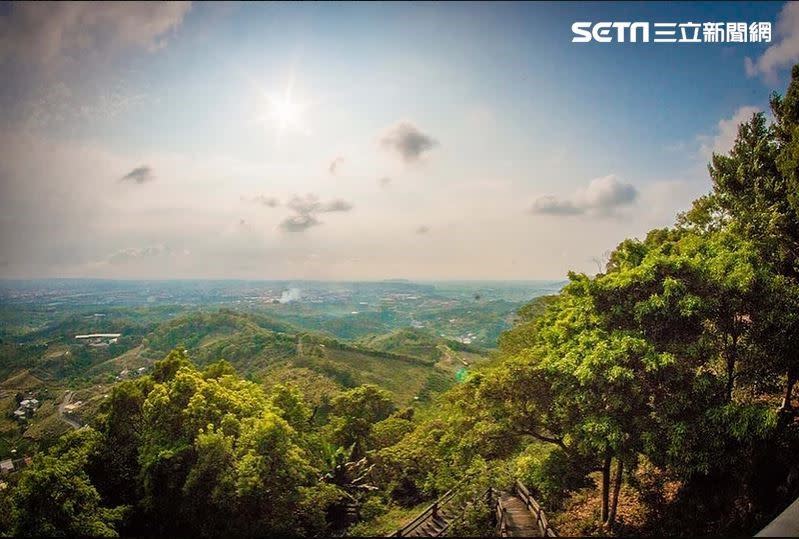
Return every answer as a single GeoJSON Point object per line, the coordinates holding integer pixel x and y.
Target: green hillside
{"type": "Point", "coordinates": [414, 342]}
{"type": "Point", "coordinates": [225, 334]}
{"type": "Point", "coordinates": [412, 366]}
{"type": "Point", "coordinates": [403, 362]}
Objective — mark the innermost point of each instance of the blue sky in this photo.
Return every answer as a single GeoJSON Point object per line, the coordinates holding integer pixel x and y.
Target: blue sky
{"type": "Point", "coordinates": [429, 140]}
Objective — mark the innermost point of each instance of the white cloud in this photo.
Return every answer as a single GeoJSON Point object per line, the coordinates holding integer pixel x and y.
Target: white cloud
{"type": "Point", "coordinates": [311, 204]}
{"type": "Point", "coordinates": [264, 200]}
{"type": "Point", "coordinates": [336, 205]}
{"type": "Point", "coordinates": [662, 200]}
{"type": "Point", "coordinates": [335, 164]}
{"type": "Point", "coordinates": [552, 205]}
{"type": "Point", "coordinates": [52, 53]}
{"type": "Point", "coordinates": [299, 223]}
{"type": "Point", "coordinates": [606, 193]}
{"type": "Point", "coordinates": [48, 104]}
{"type": "Point", "coordinates": [408, 141]}
{"type": "Point", "coordinates": [124, 256]}
{"type": "Point", "coordinates": [142, 174]}
{"type": "Point", "coordinates": [47, 33]}
{"type": "Point", "coordinates": [727, 131]}
{"type": "Point", "coordinates": [307, 208]}
{"type": "Point", "coordinates": [602, 196]}
{"type": "Point", "coordinates": [784, 52]}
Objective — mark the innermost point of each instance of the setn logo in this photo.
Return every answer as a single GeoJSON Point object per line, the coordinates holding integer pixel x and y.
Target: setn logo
{"type": "Point", "coordinates": [603, 32]}
{"type": "Point", "coordinates": [672, 32]}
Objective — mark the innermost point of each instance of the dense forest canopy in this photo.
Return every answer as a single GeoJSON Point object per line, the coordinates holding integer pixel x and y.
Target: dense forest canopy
{"type": "Point", "coordinates": [666, 382]}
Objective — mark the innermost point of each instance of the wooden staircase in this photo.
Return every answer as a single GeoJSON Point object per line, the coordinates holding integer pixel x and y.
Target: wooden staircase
{"type": "Point", "coordinates": [435, 526]}
{"type": "Point", "coordinates": [516, 514]}
{"type": "Point", "coordinates": [433, 521]}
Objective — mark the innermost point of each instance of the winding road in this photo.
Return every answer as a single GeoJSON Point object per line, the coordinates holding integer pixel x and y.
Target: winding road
{"type": "Point", "coordinates": [71, 422]}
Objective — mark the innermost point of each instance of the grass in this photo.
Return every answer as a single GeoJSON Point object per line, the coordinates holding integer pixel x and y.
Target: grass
{"type": "Point", "coordinates": [131, 360]}
{"type": "Point", "coordinates": [21, 380]}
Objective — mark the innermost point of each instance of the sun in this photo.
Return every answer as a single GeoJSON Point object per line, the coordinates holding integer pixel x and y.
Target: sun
{"type": "Point", "coordinates": [284, 113]}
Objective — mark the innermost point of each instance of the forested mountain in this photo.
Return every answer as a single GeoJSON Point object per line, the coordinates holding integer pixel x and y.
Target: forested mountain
{"type": "Point", "coordinates": [657, 397]}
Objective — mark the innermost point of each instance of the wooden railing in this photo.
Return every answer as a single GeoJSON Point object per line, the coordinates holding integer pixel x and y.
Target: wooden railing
{"type": "Point", "coordinates": [498, 509]}
{"type": "Point", "coordinates": [532, 505]}
{"type": "Point", "coordinates": [425, 515]}
{"type": "Point", "coordinates": [501, 516]}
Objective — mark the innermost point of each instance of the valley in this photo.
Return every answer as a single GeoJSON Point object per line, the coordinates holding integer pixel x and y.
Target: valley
{"type": "Point", "coordinates": [404, 337]}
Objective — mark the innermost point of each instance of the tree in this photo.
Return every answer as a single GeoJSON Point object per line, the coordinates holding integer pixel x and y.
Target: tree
{"type": "Point", "coordinates": [355, 411]}
{"type": "Point", "coordinates": [628, 363]}
{"type": "Point", "coordinates": [755, 196]}
{"type": "Point", "coordinates": [209, 489]}
{"type": "Point", "coordinates": [165, 369]}
{"type": "Point", "coordinates": [289, 404]}
{"type": "Point", "coordinates": [389, 431]}
{"type": "Point", "coordinates": [55, 497]}
{"type": "Point", "coordinates": [6, 511]}
{"type": "Point", "coordinates": [114, 468]}
{"type": "Point", "coordinates": [689, 294]}
{"type": "Point", "coordinates": [522, 334]}
{"type": "Point", "coordinates": [206, 452]}
{"type": "Point", "coordinates": [218, 369]}
{"type": "Point", "coordinates": [583, 387]}
{"type": "Point", "coordinates": [270, 467]}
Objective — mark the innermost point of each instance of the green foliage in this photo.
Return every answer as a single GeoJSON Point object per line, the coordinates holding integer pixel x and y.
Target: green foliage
{"type": "Point", "coordinates": [659, 357]}
{"type": "Point", "coordinates": [373, 508]}
{"type": "Point", "coordinates": [247, 341]}
{"type": "Point", "coordinates": [289, 404]}
{"type": "Point", "coordinates": [55, 497]}
{"type": "Point", "coordinates": [419, 343]}
{"type": "Point", "coordinates": [219, 369]}
{"type": "Point", "coordinates": [316, 504]}
{"type": "Point", "coordinates": [6, 511]}
{"type": "Point", "coordinates": [523, 334]}
{"type": "Point", "coordinates": [165, 369]}
{"type": "Point", "coordinates": [355, 411]}
{"type": "Point", "coordinates": [115, 467]}
{"type": "Point", "coordinates": [389, 432]}
{"type": "Point", "coordinates": [474, 522]}
{"type": "Point", "coordinates": [188, 451]}
{"type": "Point", "coordinates": [217, 456]}
{"type": "Point", "coordinates": [554, 473]}
{"type": "Point", "coordinates": [14, 357]}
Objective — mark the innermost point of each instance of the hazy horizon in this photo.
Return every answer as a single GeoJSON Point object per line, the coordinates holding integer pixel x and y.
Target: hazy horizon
{"type": "Point", "coordinates": [229, 279]}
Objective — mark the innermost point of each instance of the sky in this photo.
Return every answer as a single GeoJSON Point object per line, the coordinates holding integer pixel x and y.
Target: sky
{"type": "Point", "coordinates": [358, 141]}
